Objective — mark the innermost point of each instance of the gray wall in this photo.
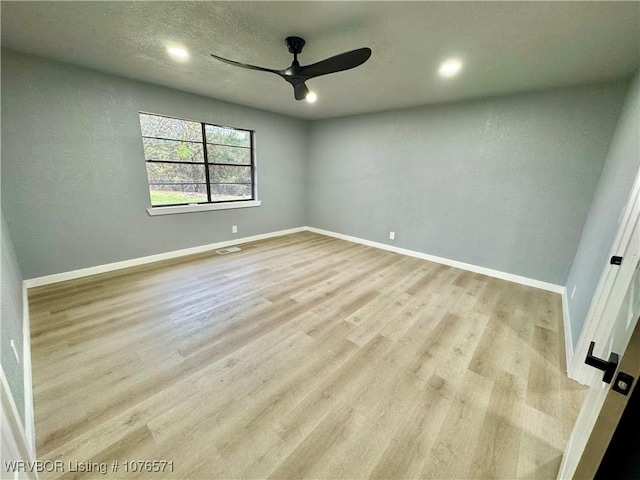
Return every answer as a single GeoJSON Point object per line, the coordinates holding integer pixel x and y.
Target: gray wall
{"type": "Point", "coordinates": [11, 319]}
{"type": "Point", "coordinates": [620, 169]}
{"type": "Point", "coordinates": [503, 183]}
{"type": "Point", "coordinates": [74, 185]}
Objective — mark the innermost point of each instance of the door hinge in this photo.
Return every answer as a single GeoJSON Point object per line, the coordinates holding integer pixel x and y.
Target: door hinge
{"type": "Point", "coordinates": [615, 260]}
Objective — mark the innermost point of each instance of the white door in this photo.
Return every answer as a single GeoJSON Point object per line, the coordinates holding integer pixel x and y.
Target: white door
{"type": "Point", "coordinates": [616, 324]}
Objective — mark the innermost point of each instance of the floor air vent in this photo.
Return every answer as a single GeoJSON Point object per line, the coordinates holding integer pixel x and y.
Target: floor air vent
{"type": "Point", "coordinates": [224, 251]}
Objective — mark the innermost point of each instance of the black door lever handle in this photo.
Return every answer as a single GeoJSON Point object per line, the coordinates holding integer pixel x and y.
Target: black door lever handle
{"type": "Point", "coordinates": [609, 368]}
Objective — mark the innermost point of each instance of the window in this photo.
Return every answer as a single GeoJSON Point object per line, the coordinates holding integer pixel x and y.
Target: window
{"type": "Point", "coordinates": [196, 163]}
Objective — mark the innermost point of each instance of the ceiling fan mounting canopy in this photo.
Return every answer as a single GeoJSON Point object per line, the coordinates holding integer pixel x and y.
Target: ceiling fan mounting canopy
{"type": "Point", "coordinates": [297, 74]}
{"type": "Point", "coordinates": [295, 44]}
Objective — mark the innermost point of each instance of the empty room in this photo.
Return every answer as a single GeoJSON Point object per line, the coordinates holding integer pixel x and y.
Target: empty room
{"type": "Point", "coordinates": [320, 240]}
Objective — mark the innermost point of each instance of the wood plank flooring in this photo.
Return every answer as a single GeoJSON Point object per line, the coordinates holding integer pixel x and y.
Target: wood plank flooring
{"type": "Point", "coordinates": [302, 356]}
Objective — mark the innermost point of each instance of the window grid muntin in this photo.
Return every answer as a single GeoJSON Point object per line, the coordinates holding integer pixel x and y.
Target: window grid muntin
{"type": "Point", "coordinates": [207, 163]}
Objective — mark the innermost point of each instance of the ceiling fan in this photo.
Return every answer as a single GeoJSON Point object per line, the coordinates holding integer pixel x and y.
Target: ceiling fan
{"type": "Point", "coordinates": [297, 74]}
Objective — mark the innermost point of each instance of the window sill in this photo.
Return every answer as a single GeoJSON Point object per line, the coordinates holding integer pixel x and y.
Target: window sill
{"type": "Point", "coordinates": [202, 208]}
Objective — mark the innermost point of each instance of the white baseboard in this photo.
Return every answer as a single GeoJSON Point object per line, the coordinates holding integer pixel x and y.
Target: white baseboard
{"type": "Point", "coordinates": [109, 267]}
{"type": "Point", "coordinates": [134, 262]}
{"type": "Point", "coordinates": [29, 418]}
{"type": "Point", "coordinates": [568, 337]}
{"type": "Point", "coordinates": [14, 439]}
{"type": "Point", "coordinates": [530, 282]}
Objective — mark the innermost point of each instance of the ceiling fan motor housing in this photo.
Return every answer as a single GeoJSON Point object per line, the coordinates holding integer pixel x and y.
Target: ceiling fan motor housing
{"type": "Point", "coordinates": [294, 44]}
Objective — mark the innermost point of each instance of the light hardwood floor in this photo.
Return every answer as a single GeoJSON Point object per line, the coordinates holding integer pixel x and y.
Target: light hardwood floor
{"type": "Point", "coordinates": [302, 357]}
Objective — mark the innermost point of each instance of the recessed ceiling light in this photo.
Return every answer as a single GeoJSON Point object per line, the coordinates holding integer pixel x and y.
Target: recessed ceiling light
{"type": "Point", "coordinates": [178, 53]}
{"type": "Point", "coordinates": [311, 97]}
{"type": "Point", "coordinates": [450, 68]}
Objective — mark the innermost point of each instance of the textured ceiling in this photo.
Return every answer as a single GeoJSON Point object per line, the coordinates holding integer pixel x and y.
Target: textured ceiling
{"type": "Point", "coordinates": [506, 46]}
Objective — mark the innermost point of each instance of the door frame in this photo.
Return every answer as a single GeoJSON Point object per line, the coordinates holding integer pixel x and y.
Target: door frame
{"type": "Point", "coordinates": [596, 325]}
{"type": "Point", "coordinates": [613, 286]}
{"type": "Point", "coordinates": [592, 415]}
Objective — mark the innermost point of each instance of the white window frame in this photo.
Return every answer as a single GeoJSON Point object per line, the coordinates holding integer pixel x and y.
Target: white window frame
{"type": "Point", "coordinates": [210, 205]}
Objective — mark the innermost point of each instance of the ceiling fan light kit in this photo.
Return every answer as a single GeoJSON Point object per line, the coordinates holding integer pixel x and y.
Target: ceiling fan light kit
{"type": "Point", "coordinates": [296, 75]}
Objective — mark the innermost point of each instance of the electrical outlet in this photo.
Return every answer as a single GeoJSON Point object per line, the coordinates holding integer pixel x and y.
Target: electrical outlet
{"type": "Point", "coordinates": [392, 235]}
{"type": "Point", "coordinates": [573, 292]}
{"type": "Point", "coordinates": [234, 229]}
